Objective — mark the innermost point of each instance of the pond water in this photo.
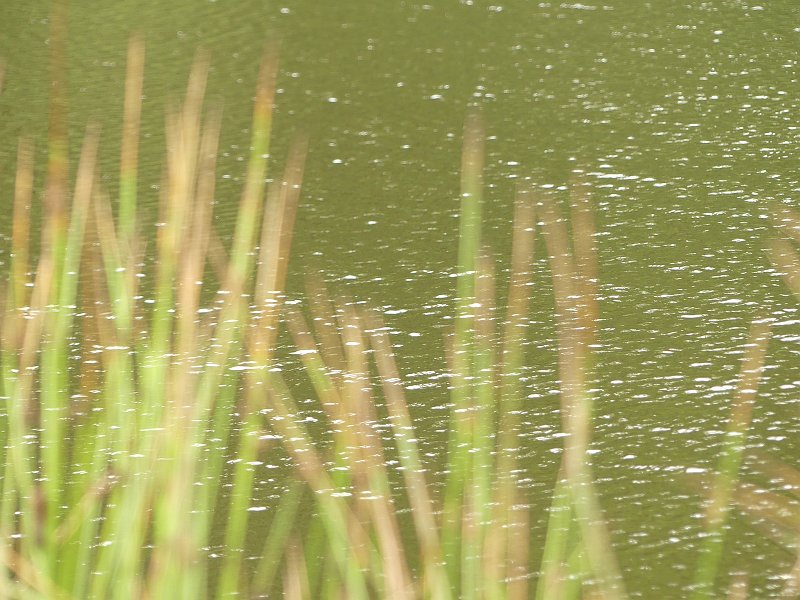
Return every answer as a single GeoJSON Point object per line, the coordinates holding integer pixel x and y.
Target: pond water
{"type": "Point", "coordinates": [682, 116]}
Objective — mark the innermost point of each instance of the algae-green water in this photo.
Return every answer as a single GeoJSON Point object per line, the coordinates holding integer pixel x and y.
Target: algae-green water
{"type": "Point", "coordinates": [683, 118]}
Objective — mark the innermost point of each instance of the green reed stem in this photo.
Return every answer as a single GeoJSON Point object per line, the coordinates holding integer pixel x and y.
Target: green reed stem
{"type": "Point", "coordinates": [427, 530]}
{"type": "Point", "coordinates": [237, 510]}
{"type": "Point", "coordinates": [275, 542]}
{"type": "Point", "coordinates": [339, 524]}
{"type": "Point", "coordinates": [458, 453]}
{"type": "Point", "coordinates": [478, 491]}
{"type": "Point", "coordinates": [554, 555]}
{"type": "Point", "coordinates": [54, 382]}
{"type": "Point", "coordinates": [730, 461]}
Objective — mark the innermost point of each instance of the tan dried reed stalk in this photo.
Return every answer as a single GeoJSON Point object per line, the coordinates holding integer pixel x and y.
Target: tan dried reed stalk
{"type": "Point", "coordinates": [348, 540]}
{"type": "Point", "coordinates": [374, 483]}
{"type": "Point", "coordinates": [507, 542]}
{"type": "Point", "coordinates": [573, 288]}
{"type": "Point", "coordinates": [325, 325]}
{"type": "Point", "coordinates": [295, 579]}
{"type": "Point", "coordinates": [435, 583]}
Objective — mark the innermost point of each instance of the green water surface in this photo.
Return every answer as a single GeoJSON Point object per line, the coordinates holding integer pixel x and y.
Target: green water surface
{"type": "Point", "coordinates": [682, 115]}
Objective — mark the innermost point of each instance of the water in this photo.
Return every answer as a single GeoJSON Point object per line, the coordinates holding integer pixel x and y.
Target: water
{"type": "Point", "coordinates": [683, 118]}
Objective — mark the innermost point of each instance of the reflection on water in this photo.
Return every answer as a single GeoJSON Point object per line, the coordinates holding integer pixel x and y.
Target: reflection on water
{"type": "Point", "coordinates": [681, 122]}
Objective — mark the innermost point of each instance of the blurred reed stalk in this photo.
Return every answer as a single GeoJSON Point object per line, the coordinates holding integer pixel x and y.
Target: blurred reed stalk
{"type": "Point", "coordinates": [507, 542]}
{"type": "Point", "coordinates": [462, 353]}
{"type": "Point", "coordinates": [730, 461]}
{"type": "Point", "coordinates": [578, 547]}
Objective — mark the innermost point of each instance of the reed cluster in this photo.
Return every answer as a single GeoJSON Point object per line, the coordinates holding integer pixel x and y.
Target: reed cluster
{"type": "Point", "coordinates": [140, 399]}
{"type": "Point", "coordinates": [121, 404]}
{"type": "Point", "coordinates": [133, 390]}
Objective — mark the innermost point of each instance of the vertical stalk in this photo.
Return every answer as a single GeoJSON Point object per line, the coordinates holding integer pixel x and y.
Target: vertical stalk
{"type": "Point", "coordinates": [278, 219]}
{"type": "Point", "coordinates": [572, 289]}
{"type": "Point", "coordinates": [478, 492]}
{"type": "Point", "coordinates": [54, 377]}
{"type": "Point", "coordinates": [435, 576]}
{"type": "Point", "coordinates": [458, 450]}
{"type": "Point", "coordinates": [129, 155]}
{"type": "Point", "coordinates": [730, 461]}
{"type": "Point", "coordinates": [508, 540]}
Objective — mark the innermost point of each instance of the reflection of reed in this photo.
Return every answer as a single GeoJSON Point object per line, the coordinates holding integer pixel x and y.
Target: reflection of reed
{"type": "Point", "coordinates": [507, 541]}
